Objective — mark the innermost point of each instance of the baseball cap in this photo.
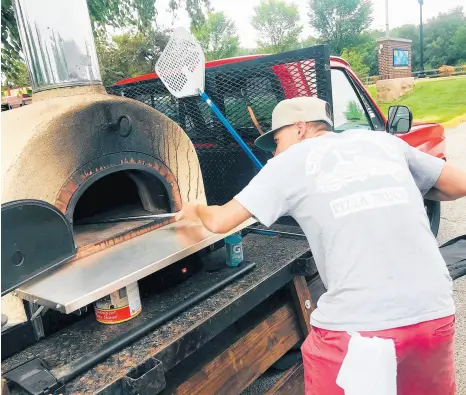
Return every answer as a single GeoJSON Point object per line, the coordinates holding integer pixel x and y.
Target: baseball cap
{"type": "Point", "coordinates": [290, 111]}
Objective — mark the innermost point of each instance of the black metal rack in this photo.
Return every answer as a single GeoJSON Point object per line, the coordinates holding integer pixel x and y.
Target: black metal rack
{"type": "Point", "coordinates": [259, 84]}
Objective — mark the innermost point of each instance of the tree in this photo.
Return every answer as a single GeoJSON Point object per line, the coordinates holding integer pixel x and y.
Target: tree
{"type": "Point", "coordinates": [247, 51]}
{"type": "Point", "coordinates": [17, 79]}
{"type": "Point", "coordinates": [459, 41]}
{"type": "Point", "coordinates": [278, 26]}
{"type": "Point", "coordinates": [369, 50]}
{"type": "Point", "coordinates": [136, 14]}
{"type": "Point", "coordinates": [129, 54]}
{"type": "Point", "coordinates": [308, 42]}
{"type": "Point", "coordinates": [217, 36]}
{"type": "Point", "coordinates": [340, 22]}
{"type": "Point", "coordinates": [356, 59]}
{"type": "Point", "coordinates": [442, 39]}
{"type": "Point", "coordinates": [354, 112]}
{"type": "Point", "coordinates": [440, 33]}
{"type": "Point", "coordinates": [10, 40]}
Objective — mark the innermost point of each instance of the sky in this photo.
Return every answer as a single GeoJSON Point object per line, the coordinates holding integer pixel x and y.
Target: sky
{"type": "Point", "coordinates": [240, 11]}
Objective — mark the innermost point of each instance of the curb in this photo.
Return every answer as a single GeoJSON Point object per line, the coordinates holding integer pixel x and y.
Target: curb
{"type": "Point", "coordinates": [454, 122]}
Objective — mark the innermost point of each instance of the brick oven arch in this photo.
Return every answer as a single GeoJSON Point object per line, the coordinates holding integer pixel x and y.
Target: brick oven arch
{"type": "Point", "coordinates": [142, 169]}
{"type": "Point", "coordinates": [83, 178]}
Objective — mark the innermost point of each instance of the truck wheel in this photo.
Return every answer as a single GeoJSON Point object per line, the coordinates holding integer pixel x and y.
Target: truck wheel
{"type": "Point", "coordinates": [433, 213]}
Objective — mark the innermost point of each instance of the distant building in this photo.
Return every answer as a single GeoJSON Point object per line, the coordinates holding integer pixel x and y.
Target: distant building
{"type": "Point", "coordinates": [17, 97]}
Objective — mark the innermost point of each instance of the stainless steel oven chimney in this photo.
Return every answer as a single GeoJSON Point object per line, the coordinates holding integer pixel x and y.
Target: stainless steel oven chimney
{"type": "Point", "coordinates": [58, 43]}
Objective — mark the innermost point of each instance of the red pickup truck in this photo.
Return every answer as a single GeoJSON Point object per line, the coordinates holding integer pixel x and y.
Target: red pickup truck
{"type": "Point", "coordinates": [353, 107]}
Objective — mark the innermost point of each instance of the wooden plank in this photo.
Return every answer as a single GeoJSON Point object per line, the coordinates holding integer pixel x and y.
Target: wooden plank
{"type": "Point", "coordinates": [303, 302]}
{"type": "Point", "coordinates": [291, 383]}
{"type": "Point", "coordinates": [238, 366]}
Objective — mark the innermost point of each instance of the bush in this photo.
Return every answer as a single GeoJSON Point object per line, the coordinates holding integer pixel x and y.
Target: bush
{"type": "Point", "coordinates": [446, 71]}
{"type": "Point", "coordinates": [356, 60]}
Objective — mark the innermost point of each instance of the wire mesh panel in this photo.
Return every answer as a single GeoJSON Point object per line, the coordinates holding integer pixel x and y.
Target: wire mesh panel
{"type": "Point", "coordinates": [258, 84]}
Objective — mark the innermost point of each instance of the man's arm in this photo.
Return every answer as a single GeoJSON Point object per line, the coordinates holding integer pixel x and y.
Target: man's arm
{"type": "Point", "coordinates": [217, 219]}
{"type": "Point", "coordinates": [451, 184]}
{"type": "Point", "coordinates": [435, 178]}
{"type": "Point", "coordinates": [263, 198]}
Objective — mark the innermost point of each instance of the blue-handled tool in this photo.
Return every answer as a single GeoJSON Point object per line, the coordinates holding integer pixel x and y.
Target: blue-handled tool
{"type": "Point", "coordinates": [181, 67]}
{"type": "Point", "coordinates": [232, 131]}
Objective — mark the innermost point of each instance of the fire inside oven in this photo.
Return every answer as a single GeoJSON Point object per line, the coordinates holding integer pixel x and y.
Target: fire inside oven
{"type": "Point", "coordinates": [115, 197]}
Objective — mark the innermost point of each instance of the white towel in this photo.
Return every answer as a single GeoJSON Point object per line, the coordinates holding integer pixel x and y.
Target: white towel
{"type": "Point", "coordinates": [369, 367]}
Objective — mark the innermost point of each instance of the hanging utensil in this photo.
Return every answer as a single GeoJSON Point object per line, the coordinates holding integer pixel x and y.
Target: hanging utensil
{"type": "Point", "coordinates": [251, 112]}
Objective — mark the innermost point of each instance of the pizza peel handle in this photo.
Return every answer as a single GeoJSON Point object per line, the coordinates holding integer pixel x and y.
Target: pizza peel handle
{"type": "Point", "coordinates": [181, 67]}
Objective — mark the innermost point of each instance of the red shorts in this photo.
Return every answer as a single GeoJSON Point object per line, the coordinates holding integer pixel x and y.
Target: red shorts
{"type": "Point", "coordinates": [424, 353]}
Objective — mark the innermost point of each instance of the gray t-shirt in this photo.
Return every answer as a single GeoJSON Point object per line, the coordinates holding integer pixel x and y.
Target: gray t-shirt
{"type": "Point", "coordinates": [358, 198]}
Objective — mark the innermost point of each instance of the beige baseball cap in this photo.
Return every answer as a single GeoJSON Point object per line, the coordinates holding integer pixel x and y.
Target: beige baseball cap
{"type": "Point", "coordinates": [290, 111]}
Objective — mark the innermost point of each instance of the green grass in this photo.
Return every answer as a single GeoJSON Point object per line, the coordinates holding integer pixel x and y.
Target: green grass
{"type": "Point", "coordinates": [432, 100]}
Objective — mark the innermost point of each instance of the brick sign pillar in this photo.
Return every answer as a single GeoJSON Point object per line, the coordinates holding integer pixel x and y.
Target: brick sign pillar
{"type": "Point", "coordinates": [394, 57]}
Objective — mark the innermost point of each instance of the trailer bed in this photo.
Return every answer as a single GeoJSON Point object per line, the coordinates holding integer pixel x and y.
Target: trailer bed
{"type": "Point", "coordinates": [174, 341]}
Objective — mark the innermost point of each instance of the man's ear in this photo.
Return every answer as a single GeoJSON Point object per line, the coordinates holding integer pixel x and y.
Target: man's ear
{"type": "Point", "coordinates": [301, 129]}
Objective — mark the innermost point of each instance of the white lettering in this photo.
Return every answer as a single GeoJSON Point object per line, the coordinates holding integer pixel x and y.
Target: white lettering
{"type": "Point", "coordinates": [368, 200]}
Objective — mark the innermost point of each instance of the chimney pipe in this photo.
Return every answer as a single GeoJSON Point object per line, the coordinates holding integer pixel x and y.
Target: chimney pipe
{"type": "Point", "coordinates": [58, 43]}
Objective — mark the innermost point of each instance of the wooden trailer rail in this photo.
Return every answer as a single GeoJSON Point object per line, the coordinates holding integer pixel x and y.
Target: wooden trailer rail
{"type": "Point", "coordinates": [236, 367]}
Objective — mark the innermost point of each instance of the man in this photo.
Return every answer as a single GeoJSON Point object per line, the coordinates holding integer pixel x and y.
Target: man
{"type": "Point", "coordinates": [358, 197]}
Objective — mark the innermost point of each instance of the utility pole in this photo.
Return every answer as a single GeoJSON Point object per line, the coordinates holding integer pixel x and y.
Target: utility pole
{"type": "Point", "coordinates": [387, 29]}
{"type": "Point", "coordinates": [421, 37]}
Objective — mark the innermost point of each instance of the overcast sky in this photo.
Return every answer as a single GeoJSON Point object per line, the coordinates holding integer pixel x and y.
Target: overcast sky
{"type": "Point", "coordinates": [400, 12]}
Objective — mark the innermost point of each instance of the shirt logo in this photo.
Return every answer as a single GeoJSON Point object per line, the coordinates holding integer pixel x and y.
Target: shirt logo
{"type": "Point", "coordinates": [368, 200]}
{"type": "Point", "coordinates": [359, 168]}
{"type": "Point", "coordinates": [336, 163]}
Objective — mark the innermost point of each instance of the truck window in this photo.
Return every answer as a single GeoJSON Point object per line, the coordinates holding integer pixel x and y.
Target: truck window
{"type": "Point", "coordinates": [348, 111]}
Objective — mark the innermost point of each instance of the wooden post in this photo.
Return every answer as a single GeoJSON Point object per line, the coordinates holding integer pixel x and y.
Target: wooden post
{"type": "Point", "coordinates": [303, 302]}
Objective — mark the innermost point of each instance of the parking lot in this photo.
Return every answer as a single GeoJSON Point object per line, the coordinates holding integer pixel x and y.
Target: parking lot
{"type": "Point", "coordinates": [453, 224]}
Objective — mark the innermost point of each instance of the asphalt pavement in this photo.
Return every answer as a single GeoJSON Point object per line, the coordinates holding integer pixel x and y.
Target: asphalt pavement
{"type": "Point", "coordinates": [453, 224]}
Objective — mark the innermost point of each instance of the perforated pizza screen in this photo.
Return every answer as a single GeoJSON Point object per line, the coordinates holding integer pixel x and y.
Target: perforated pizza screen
{"type": "Point", "coordinates": [181, 65]}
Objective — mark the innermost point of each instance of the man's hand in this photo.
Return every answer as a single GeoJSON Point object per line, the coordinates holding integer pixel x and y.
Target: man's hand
{"type": "Point", "coordinates": [189, 212]}
{"type": "Point", "coordinates": [217, 219]}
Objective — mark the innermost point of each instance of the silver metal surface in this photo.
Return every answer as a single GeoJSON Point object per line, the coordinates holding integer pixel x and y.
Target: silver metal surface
{"type": "Point", "coordinates": [57, 42]}
{"type": "Point", "coordinates": [77, 284]}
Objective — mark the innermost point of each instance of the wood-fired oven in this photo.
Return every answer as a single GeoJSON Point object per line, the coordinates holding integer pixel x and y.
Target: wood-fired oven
{"type": "Point", "coordinates": [90, 154]}
{"type": "Point", "coordinates": [78, 157]}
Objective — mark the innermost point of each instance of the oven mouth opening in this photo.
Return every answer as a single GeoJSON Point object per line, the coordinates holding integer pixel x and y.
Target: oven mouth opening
{"type": "Point", "coordinates": [124, 193]}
